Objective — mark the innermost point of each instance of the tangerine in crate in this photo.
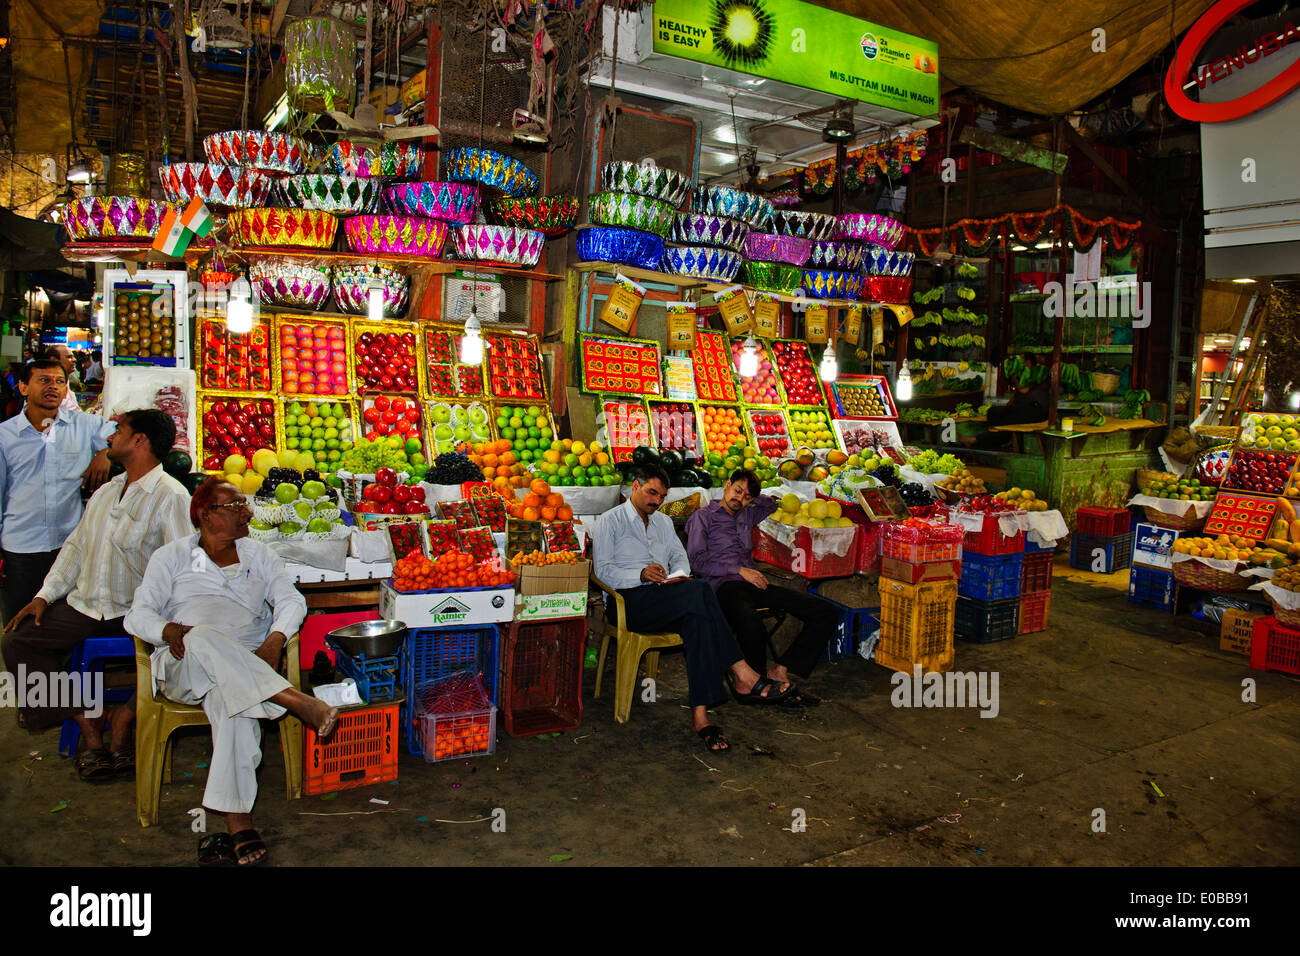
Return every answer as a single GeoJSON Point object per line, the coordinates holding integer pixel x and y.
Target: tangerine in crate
{"type": "Point", "coordinates": [455, 717]}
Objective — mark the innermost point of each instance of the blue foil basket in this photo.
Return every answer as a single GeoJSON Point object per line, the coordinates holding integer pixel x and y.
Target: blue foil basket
{"type": "Point", "coordinates": [629, 246]}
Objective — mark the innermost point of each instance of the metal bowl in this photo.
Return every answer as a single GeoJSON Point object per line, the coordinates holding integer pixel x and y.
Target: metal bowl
{"type": "Point", "coordinates": [368, 638]}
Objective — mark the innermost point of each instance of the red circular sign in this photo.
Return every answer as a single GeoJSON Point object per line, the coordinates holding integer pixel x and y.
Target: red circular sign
{"type": "Point", "coordinates": [1185, 58]}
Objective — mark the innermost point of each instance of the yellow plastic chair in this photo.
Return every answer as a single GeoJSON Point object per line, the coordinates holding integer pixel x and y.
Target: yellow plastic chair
{"type": "Point", "coordinates": [631, 645]}
{"type": "Point", "coordinates": [157, 718]}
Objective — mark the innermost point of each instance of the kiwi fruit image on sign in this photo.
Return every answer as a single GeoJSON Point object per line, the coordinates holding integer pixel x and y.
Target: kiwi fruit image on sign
{"type": "Point", "coordinates": [742, 31]}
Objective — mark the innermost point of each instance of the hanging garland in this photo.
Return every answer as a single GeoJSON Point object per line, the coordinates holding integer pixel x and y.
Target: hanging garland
{"type": "Point", "coordinates": [976, 237]}
{"type": "Point", "coordinates": [1028, 226]}
{"type": "Point", "coordinates": [863, 166]}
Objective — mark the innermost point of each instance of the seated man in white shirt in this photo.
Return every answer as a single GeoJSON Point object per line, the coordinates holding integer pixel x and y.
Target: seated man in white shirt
{"type": "Point", "coordinates": [90, 587]}
{"type": "Point", "coordinates": [220, 607]}
{"type": "Point", "coordinates": [637, 552]}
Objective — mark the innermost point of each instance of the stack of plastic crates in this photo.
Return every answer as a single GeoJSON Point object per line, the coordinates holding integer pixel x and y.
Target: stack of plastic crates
{"type": "Point", "coordinates": [1036, 589]}
{"type": "Point", "coordinates": [1151, 577]}
{"type": "Point", "coordinates": [361, 751]}
{"type": "Point", "coordinates": [1101, 534]}
{"type": "Point", "coordinates": [541, 676]}
{"type": "Point", "coordinates": [855, 625]}
{"type": "Point", "coordinates": [992, 573]}
{"type": "Point", "coordinates": [916, 625]}
{"type": "Point", "coordinates": [454, 717]}
{"type": "Point", "coordinates": [433, 652]}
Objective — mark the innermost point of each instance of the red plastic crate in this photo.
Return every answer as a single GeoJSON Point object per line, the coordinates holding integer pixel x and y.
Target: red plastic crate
{"type": "Point", "coordinates": [1107, 522]}
{"type": "Point", "coordinates": [1037, 575]}
{"type": "Point", "coordinates": [990, 540]}
{"type": "Point", "coordinates": [361, 751]}
{"type": "Point", "coordinates": [541, 676]}
{"type": "Point", "coordinates": [455, 718]}
{"type": "Point", "coordinates": [311, 636]}
{"type": "Point", "coordinates": [1033, 611]}
{"type": "Point", "coordinates": [770, 551]}
{"type": "Point", "coordinates": [942, 542]}
{"type": "Point", "coordinates": [1275, 647]}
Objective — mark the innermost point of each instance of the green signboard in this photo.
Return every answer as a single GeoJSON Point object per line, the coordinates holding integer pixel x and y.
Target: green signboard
{"type": "Point", "coordinates": [805, 45]}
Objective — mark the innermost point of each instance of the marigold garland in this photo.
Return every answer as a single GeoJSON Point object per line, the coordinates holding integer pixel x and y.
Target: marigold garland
{"type": "Point", "coordinates": [975, 237]}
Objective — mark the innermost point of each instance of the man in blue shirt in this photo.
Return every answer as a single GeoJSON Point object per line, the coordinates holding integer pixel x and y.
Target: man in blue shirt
{"type": "Point", "coordinates": [47, 455]}
{"type": "Point", "coordinates": [637, 552]}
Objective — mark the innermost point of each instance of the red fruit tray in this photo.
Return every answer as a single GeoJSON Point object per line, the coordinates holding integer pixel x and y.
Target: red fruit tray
{"type": "Point", "coordinates": [621, 366]}
{"type": "Point", "coordinates": [675, 427]}
{"type": "Point", "coordinates": [446, 377]}
{"type": "Point", "coordinates": [387, 357]}
{"type": "Point", "coordinates": [235, 361]}
{"type": "Point", "coordinates": [515, 368]}
{"type": "Point", "coordinates": [627, 426]}
{"type": "Point", "coordinates": [798, 376]}
{"type": "Point", "coordinates": [771, 431]}
{"type": "Point", "coordinates": [1237, 513]}
{"type": "Point", "coordinates": [218, 419]}
{"type": "Point", "coordinates": [1274, 470]}
{"type": "Point", "coordinates": [762, 389]}
{"type": "Point", "coordinates": [714, 381]}
{"type": "Point", "coordinates": [325, 370]}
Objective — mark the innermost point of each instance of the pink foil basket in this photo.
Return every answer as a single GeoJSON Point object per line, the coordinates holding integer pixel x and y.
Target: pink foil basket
{"type": "Point", "coordinates": [505, 244]}
{"type": "Point", "coordinates": [217, 184]}
{"type": "Point", "coordinates": [871, 228]}
{"type": "Point", "coordinates": [113, 217]}
{"type": "Point", "coordinates": [769, 247]}
{"type": "Point", "coordinates": [288, 283]}
{"type": "Point", "coordinates": [396, 235]}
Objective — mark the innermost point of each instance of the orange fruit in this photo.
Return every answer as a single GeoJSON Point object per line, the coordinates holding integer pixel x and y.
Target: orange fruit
{"type": "Point", "coordinates": [555, 499]}
{"type": "Point", "coordinates": [503, 471]}
{"type": "Point", "coordinates": [531, 514]}
{"type": "Point", "coordinates": [507, 456]}
{"type": "Point", "coordinates": [564, 513]}
{"type": "Point", "coordinates": [532, 500]}
{"type": "Point", "coordinates": [548, 513]}
{"type": "Point", "coordinates": [540, 488]}
{"type": "Point", "coordinates": [489, 460]}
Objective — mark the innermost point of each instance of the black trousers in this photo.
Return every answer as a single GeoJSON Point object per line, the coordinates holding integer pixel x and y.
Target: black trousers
{"type": "Point", "coordinates": [45, 649]}
{"type": "Point", "coordinates": [740, 602]}
{"type": "Point", "coordinates": [1021, 413]}
{"type": "Point", "coordinates": [24, 575]}
{"type": "Point", "coordinates": [688, 608]}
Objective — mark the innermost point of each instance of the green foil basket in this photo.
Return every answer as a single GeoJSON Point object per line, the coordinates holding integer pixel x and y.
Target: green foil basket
{"type": "Point", "coordinates": [773, 277]}
{"type": "Point", "coordinates": [630, 211]}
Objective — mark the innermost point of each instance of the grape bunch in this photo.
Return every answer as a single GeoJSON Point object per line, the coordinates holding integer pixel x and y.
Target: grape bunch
{"type": "Point", "coordinates": [887, 474]}
{"type": "Point", "coordinates": [914, 495]}
{"type": "Point", "coordinates": [452, 468]}
{"type": "Point", "coordinates": [366, 457]}
{"type": "Point", "coordinates": [278, 475]}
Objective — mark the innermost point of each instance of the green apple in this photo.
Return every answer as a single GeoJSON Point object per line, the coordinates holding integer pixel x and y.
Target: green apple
{"type": "Point", "coordinates": [441, 414]}
{"type": "Point", "coordinates": [443, 447]}
{"type": "Point", "coordinates": [319, 525]}
{"type": "Point", "coordinates": [460, 414]}
{"type": "Point", "coordinates": [302, 509]}
{"type": "Point", "coordinates": [478, 415]}
{"type": "Point", "coordinates": [326, 505]}
{"type": "Point", "coordinates": [313, 489]}
{"type": "Point", "coordinates": [260, 525]}
{"type": "Point", "coordinates": [461, 433]}
{"type": "Point", "coordinates": [443, 432]}
{"type": "Point", "coordinates": [285, 492]}
{"type": "Point", "coordinates": [290, 527]}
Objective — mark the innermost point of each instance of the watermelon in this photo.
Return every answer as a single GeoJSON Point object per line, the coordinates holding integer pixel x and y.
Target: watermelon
{"type": "Point", "coordinates": [177, 463]}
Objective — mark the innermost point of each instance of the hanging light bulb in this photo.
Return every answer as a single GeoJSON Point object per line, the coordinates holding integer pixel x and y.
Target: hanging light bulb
{"type": "Point", "coordinates": [471, 343]}
{"type": "Point", "coordinates": [903, 384]}
{"type": "Point", "coordinates": [239, 310]}
{"type": "Point", "coordinates": [748, 364]}
{"type": "Point", "coordinates": [829, 368]}
{"type": "Point", "coordinates": [375, 295]}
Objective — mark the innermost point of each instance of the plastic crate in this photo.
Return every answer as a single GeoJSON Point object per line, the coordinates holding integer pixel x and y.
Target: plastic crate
{"type": "Point", "coordinates": [1032, 548]}
{"type": "Point", "coordinates": [855, 625]}
{"type": "Point", "coordinates": [1037, 572]}
{"type": "Point", "coordinates": [1118, 552]}
{"type": "Point", "coordinates": [455, 718]}
{"type": "Point", "coordinates": [916, 625]}
{"type": "Point", "coordinates": [989, 577]}
{"type": "Point", "coordinates": [989, 539]}
{"type": "Point", "coordinates": [1034, 610]}
{"type": "Point", "coordinates": [361, 751]}
{"type": "Point", "coordinates": [1102, 522]}
{"type": "Point", "coordinates": [1275, 647]}
{"type": "Point", "coordinates": [800, 558]}
{"type": "Point", "coordinates": [541, 676]}
{"type": "Point", "coordinates": [921, 545]}
{"type": "Point", "coordinates": [376, 677]}
{"type": "Point", "coordinates": [1151, 587]}
{"type": "Point", "coordinates": [987, 621]}
{"type": "Point", "coordinates": [433, 652]}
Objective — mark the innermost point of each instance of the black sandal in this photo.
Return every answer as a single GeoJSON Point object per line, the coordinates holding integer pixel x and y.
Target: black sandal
{"type": "Point", "coordinates": [712, 735]}
{"type": "Point", "coordinates": [216, 849]}
{"type": "Point", "coordinates": [94, 766]}
{"type": "Point", "coordinates": [124, 760]}
{"type": "Point", "coordinates": [756, 696]}
{"type": "Point", "coordinates": [245, 844]}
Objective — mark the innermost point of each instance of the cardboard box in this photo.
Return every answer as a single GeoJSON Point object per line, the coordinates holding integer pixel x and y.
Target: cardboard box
{"type": "Point", "coordinates": [545, 607]}
{"type": "Point", "coordinates": [1235, 634]}
{"type": "Point", "coordinates": [553, 591]}
{"type": "Point", "coordinates": [447, 608]}
{"type": "Point", "coordinates": [909, 573]}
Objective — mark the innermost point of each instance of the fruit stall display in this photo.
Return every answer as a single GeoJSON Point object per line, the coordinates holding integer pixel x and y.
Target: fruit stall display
{"type": "Point", "coordinates": [444, 375]}
{"type": "Point", "coordinates": [400, 415]}
{"type": "Point", "coordinates": [386, 495]}
{"type": "Point", "coordinates": [1241, 514]}
{"type": "Point", "coordinates": [812, 427]}
{"type": "Point", "coordinates": [568, 463]}
{"type": "Point", "coordinates": [714, 381]}
{"type": "Point", "coordinates": [770, 429]}
{"type": "Point", "coordinates": [234, 361]}
{"type": "Point", "coordinates": [450, 423]}
{"type": "Point", "coordinates": [620, 366]}
{"type": "Point", "coordinates": [624, 425]}
{"type": "Point", "coordinates": [722, 426]}
{"type": "Point", "coordinates": [799, 378]}
{"type": "Point", "coordinates": [1264, 431]}
{"type": "Point", "coordinates": [514, 368]}
{"type": "Point", "coordinates": [387, 357]}
{"type": "Point", "coordinates": [761, 388]}
{"type": "Point", "coordinates": [311, 357]}
{"type": "Point", "coordinates": [327, 429]}
{"type": "Point", "coordinates": [862, 396]}
{"type": "Point", "coordinates": [675, 427]}
{"type": "Point", "coordinates": [1178, 488]}
{"type": "Point", "coordinates": [529, 429]}
{"type": "Point", "coordinates": [141, 328]}
{"type": "Point", "coordinates": [260, 475]}
{"type": "Point", "coordinates": [231, 424]}
{"type": "Point", "coordinates": [1263, 472]}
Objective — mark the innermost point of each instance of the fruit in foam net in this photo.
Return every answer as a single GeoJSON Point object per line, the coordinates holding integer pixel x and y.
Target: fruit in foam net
{"type": "Point", "coordinates": [816, 513]}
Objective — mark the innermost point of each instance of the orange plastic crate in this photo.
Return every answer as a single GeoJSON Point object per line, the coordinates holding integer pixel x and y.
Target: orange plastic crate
{"type": "Point", "coordinates": [361, 751]}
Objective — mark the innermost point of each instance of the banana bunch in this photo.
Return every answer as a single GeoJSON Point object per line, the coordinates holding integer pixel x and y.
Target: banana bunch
{"type": "Point", "coordinates": [977, 340]}
{"type": "Point", "coordinates": [928, 296]}
{"type": "Point", "coordinates": [1012, 368]}
{"type": "Point", "coordinates": [1071, 380]}
{"type": "Point", "coordinates": [967, 293]}
{"type": "Point", "coordinates": [1092, 415]}
{"type": "Point", "coordinates": [948, 371]}
{"type": "Point", "coordinates": [1135, 402]}
{"type": "Point", "coordinates": [963, 366]}
{"type": "Point", "coordinates": [967, 270]}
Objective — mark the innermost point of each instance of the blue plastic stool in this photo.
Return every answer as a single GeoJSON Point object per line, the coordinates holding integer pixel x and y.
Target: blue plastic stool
{"type": "Point", "coordinates": [88, 657]}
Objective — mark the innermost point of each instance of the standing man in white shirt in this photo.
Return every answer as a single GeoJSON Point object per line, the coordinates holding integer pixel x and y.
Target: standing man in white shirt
{"type": "Point", "coordinates": [637, 552]}
{"type": "Point", "coordinates": [93, 581]}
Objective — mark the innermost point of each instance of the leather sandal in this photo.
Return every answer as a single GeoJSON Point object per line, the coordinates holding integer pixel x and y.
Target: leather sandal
{"type": "Point", "coordinates": [94, 766]}
{"type": "Point", "coordinates": [245, 844]}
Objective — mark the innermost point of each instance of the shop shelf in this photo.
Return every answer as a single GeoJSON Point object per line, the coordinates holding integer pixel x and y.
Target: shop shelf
{"type": "Point", "coordinates": [987, 621]}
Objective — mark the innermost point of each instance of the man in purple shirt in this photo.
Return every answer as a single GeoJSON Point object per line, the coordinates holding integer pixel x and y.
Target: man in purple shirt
{"type": "Point", "coordinates": [720, 544]}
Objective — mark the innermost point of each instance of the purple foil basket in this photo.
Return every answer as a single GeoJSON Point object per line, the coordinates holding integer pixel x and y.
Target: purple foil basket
{"type": "Point", "coordinates": [352, 289]}
{"type": "Point", "coordinates": [504, 244]}
{"type": "Point", "coordinates": [288, 283]}
{"type": "Point", "coordinates": [113, 217]}
{"type": "Point", "coordinates": [769, 247]}
{"type": "Point", "coordinates": [870, 228]}
{"type": "Point", "coordinates": [700, 230]}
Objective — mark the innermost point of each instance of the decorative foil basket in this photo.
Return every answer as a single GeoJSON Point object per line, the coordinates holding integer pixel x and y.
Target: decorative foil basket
{"type": "Point", "coordinates": [550, 215]}
{"type": "Point", "coordinates": [399, 160]}
{"type": "Point", "coordinates": [272, 152]}
{"type": "Point", "coordinates": [831, 284]}
{"type": "Point", "coordinates": [871, 228]}
{"type": "Point", "coordinates": [769, 247]}
{"type": "Point", "coordinates": [831, 254]}
{"type": "Point", "coordinates": [400, 235]}
{"type": "Point", "coordinates": [455, 203]}
{"type": "Point", "coordinates": [905, 262]}
{"type": "Point", "coordinates": [694, 230]}
{"type": "Point", "coordinates": [875, 260]}
{"type": "Point", "coordinates": [470, 164]}
{"type": "Point", "coordinates": [894, 289]}
{"type": "Point", "coordinates": [732, 203]}
{"type": "Point", "coordinates": [305, 228]}
{"type": "Point", "coordinates": [701, 262]}
{"type": "Point", "coordinates": [113, 217]}
{"type": "Point", "coordinates": [352, 289]}
{"type": "Point", "coordinates": [335, 194]}
{"type": "Point", "coordinates": [217, 272]}
{"type": "Point", "coordinates": [816, 226]}
{"type": "Point", "coordinates": [289, 283]}
{"type": "Point", "coordinates": [773, 277]}
{"type": "Point", "coordinates": [216, 184]}
{"type": "Point", "coordinates": [630, 211]}
{"type": "Point", "coordinates": [320, 65]}
{"type": "Point", "coordinates": [628, 246]}
{"type": "Point", "coordinates": [646, 179]}
{"type": "Point", "coordinates": [505, 244]}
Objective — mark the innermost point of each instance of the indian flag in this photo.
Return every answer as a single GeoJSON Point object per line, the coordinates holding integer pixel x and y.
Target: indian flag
{"type": "Point", "coordinates": [196, 218]}
{"type": "Point", "coordinates": [173, 238]}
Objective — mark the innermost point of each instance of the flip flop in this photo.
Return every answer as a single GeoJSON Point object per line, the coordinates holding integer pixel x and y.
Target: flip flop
{"type": "Point", "coordinates": [244, 844]}
{"type": "Point", "coordinates": [712, 736]}
{"type": "Point", "coordinates": [94, 766]}
{"type": "Point", "coordinates": [756, 696]}
{"type": "Point", "coordinates": [216, 849]}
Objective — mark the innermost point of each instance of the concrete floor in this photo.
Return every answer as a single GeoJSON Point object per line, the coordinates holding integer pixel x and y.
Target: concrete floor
{"type": "Point", "coordinates": [1109, 704]}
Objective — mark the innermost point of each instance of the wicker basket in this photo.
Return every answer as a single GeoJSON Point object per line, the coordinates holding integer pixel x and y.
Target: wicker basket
{"type": "Point", "coordinates": [1194, 574]}
{"type": "Point", "coordinates": [1145, 475]}
{"type": "Point", "coordinates": [1289, 618]}
{"type": "Point", "coordinates": [950, 497]}
{"type": "Point", "coordinates": [1164, 519]}
{"type": "Point", "coordinates": [1105, 382]}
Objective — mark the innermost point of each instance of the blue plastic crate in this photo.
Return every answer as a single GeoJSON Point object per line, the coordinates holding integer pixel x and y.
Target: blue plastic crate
{"type": "Point", "coordinates": [1118, 551]}
{"type": "Point", "coordinates": [987, 621]}
{"type": "Point", "coordinates": [1031, 548]}
{"type": "Point", "coordinates": [433, 652]}
{"type": "Point", "coordinates": [990, 577]}
{"type": "Point", "coordinates": [855, 625]}
{"type": "Point", "coordinates": [376, 677]}
{"type": "Point", "coordinates": [1151, 587]}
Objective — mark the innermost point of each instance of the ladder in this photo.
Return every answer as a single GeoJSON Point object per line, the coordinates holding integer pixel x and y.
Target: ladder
{"type": "Point", "coordinates": [1253, 323]}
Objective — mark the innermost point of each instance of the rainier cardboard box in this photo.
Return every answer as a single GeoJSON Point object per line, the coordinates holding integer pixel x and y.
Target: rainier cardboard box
{"type": "Point", "coordinates": [447, 608]}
